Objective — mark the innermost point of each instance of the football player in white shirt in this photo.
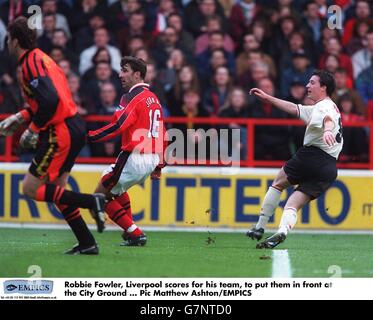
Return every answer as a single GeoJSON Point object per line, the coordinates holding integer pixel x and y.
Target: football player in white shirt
{"type": "Point", "coordinates": [313, 167]}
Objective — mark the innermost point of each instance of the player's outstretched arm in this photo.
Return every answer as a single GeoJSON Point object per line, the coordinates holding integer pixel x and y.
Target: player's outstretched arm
{"type": "Point", "coordinates": [283, 105]}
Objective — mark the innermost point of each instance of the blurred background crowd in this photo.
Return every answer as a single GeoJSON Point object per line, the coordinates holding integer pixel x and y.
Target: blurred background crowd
{"type": "Point", "coordinates": [203, 56]}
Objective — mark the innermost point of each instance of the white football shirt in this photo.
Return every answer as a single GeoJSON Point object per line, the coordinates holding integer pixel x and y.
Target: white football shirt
{"type": "Point", "coordinates": [314, 117]}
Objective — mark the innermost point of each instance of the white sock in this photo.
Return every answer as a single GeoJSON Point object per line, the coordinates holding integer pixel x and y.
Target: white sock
{"type": "Point", "coordinates": [270, 203]}
{"type": "Point", "coordinates": [288, 220]}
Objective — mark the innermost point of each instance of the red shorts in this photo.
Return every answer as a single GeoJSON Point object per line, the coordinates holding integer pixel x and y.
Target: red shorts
{"type": "Point", "coordinates": [58, 147]}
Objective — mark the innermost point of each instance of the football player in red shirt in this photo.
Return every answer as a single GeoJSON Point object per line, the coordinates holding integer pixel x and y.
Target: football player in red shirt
{"type": "Point", "coordinates": [55, 130]}
{"type": "Point", "coordinates": [139, 120]}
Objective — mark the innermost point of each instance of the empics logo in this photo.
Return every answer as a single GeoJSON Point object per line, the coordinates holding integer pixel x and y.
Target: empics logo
{"type": "Point", "coordinates": [11, 287]}
{"type": "Point", "coordinates": [28, 287]}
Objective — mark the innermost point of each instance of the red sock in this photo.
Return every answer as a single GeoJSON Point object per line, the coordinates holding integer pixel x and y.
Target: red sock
{"type": "Point", "coordinates": [124, 201]}
{"type": "Point", "coordinates": [118, 214]}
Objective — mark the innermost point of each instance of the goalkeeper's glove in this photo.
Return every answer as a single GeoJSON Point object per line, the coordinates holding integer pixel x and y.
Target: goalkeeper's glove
{"type": "Point", "coordinates": [9, 125]}
{"type": "Point", "coordinates": [29, 139]}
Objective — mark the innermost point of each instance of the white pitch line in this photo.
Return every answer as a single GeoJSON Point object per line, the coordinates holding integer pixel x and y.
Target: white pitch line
{"type": "Point", "coordinates": [281, 267]}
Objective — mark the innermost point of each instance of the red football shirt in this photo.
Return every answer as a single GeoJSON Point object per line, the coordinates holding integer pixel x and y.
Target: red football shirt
{"type": "Point", "coordinates": [139, 120]}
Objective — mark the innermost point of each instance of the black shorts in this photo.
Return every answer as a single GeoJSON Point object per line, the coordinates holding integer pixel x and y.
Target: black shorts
{"type": "Point", "coordinates": [58, 147]}
{"type": "Point", "coordinates": [312, 169]}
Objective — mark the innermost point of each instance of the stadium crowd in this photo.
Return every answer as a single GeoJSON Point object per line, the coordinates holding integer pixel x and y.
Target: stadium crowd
{"type": "Point", "coordinates": [203, 56]}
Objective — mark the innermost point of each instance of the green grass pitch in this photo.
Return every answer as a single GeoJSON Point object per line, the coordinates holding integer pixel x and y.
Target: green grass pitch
{"type": "Point", "coordinates": [182, 254]}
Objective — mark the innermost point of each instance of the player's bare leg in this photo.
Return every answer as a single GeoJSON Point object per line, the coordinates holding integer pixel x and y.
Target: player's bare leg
{"type": "Point", "coordinates": [31, 184]}
{"type": "Point", "coordinates": [269, 205]}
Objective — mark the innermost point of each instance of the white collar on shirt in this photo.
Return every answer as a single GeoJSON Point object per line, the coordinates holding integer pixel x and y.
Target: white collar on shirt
{"type": "Point", "coordinates": [140, 84]}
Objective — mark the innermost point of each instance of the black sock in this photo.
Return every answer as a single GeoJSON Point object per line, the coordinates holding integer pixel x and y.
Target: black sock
{"type": "Point", "coordinates": [77, 225]}
{"type": "Point", "coordinates": [81, 200]}
{"type": "Point", "coordinates": [57, 194]}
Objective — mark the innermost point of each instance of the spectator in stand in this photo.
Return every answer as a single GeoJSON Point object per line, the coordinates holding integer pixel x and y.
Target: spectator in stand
{"type": "Point", "coordinates": [273, 143]}
{"type": "Point", "coordinates": [300, 70]}
{"type": "Point", "coordinates": [101, 39]}
{"type": "Point", "coordinates": [84, 37]}
{"type": "Point", "coordinates": [103, 74]}
{"type": "Point", "coordinates": [280, 38]}
{"type": "Point", "coordinates": [251, 52]}
{"type": "Point", "coordinates": [258, 70]}
{"type": "Point", "coordinates": [364, 84]}
{"type": "Point", "coordinates": [12, 100]}
{"type": "Point", "coordinates": [135, 43]}
{"type": "Point", "coordinates": [355, 145]}
{"type": "Point", "coordinates": [216, 41]}
{"type": "Point", "coordinates": [65, 65]}
{"type": "Point", "coordinates": [10, 10]}
{"type": "Point", "coordinates": [313, 21]}
{"type": "Point", "coordinates": [101, 55]}
{"type": "Point", "coordinates": [285, 8]}
{"type": "Point", "coordinates": [216, 96]}
{"type": "Point", "coordinates": [175, 20]}
{"type": "Point", "coordinates": [106, 105]}
{"type": "Point", "coordinates": [186, 79]}
{"type": "Point", "coordinates": [261, 29]}
{"type": "Point", "coordinates": [120, 11]}
{"type": "Point", "coordinates": [59, 38]}
{"type": "Point", "coordinates": [217, 60]}
{"type": "Point", "coordinates": [326, 35]}
{"type": "Point", "coordinates": [362, 11]}
{"type": "Point", "coordinates": [81, 101]}
{"type": "Point", "coordinates": [213, 24]}
{"type": "Point", "coordinates": [297, 95]}
{"type": "Point", "coordinates": [241, 17]}
{"type": "Point", "coordinates": [50, 7]}
{"type": "Point", "coordinates": [176, 60]}
{"type": "Point", "coordinates": [164, 10]}
{"type": "Point", "coordinates": [57, 54]}
{"type": "Point", "coordinates": [358, 40]}
{"type": "Point", "coordinates": [143, 54]}
{"type": "Point", "coordinates": [331, 63]}
{"type": "Point", "coordinates": [343, 85]}
{"type": "Point", "coordinates": [8, 67]}
{"type": "Point", "coordinates": [197, 12]}
{"type": "Point", "coordinates": [166, 43]}
{"type": "Point", "coordinates": [167, 76]}
{"type": "Point", "coordinates": [334, 47]}
{"type": "Point", "coordinates": [227, 6]}
{"type": "Point", "coordinates": [108, 101]}
{"type": "Point", "coordinates": [83, 11]}
{"type": "Point", "coordinates": [297, 43]}
{"type": "Point", "coordinates": [45, 38]}
{"type": "Point", "coordinates": [156, 85]}
{"type": "Point", "coordinates": [237, 107]}
{"type": "Point", "coordinates": [191, 109]}
{"type": "Point", "coordinates": [362, 59]}
{"type": "Point", "coordinates": [11, 96]}
{"type": "Point", "coordinates": [136, 27]}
